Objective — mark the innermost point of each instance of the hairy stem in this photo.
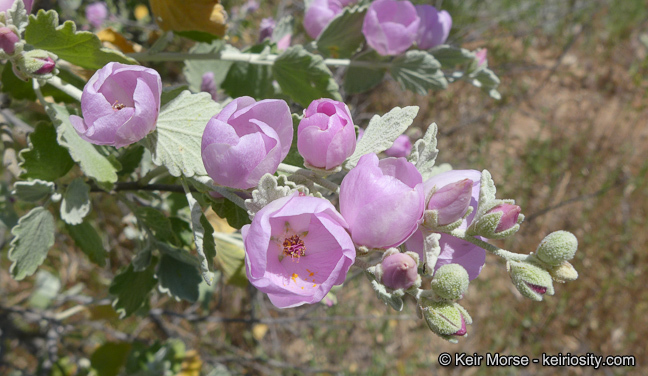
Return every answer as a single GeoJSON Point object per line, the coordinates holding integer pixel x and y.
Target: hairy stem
{"type": "Point", "coordinates": [507, 255]}
{"type": "Point", "coordinates": [66, 88]}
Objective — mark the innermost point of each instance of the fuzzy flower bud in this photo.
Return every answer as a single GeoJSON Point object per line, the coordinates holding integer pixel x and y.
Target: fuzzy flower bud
{"type": "Point", "coordinates": [401, 148]}
{"type": "Point", "coordinates": [37, 64]}
{"type": "Point", "coordinates": [326, 136]}
{"type": "Point", "coordinates": [391, 26]}
{"type": "Point", "coordinates": [450, 281]}
{"type": "Point", "coordinates": [452, 201]}
{"type": "Point", "coordinates": [120, 105]}
{"type": "Point", "coordinates": [563, 273]}
{"type": "Point", "coordinates": [509, 217]}
{"type": "Point", "coordinates": [530, 280]}
{"type": "Point", "coordinates": [557, 247]}
{"type": "Point", "coordinates": [8, 40]}
{"type": "Point", "coordinates": [434, 28]}
{"type": "Point", "coordinates": [447, 319]}
{"type": "Point", "coordinates": [499, 222]}
{"type": "Point", "coordinates": [399, 271]}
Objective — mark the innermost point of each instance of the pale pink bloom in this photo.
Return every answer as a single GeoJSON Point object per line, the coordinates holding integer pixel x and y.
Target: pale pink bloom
{"type": "Point", "coordinates": [401, 147]}
{"type": "Point", "coordinates": [391, 26]}
{"type": "Point", "coordinates": [399, 271]}
{"type": "Point", "coordinates": [434, 28]}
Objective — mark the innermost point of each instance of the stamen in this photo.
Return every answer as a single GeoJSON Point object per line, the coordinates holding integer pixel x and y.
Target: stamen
{"type": "Point", "coordinates": [294, 247]}
{"type": "Point", "coordinates": [117, 106]}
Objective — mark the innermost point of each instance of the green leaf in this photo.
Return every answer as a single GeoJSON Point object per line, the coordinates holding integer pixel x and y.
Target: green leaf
{"type": "Point", "coordinates": [93, 163]}
{"type": "Point", "coordinates": [195, 69]}
{"type": "Point", "coordinates": [203, 236]}
{"type": "Point", "coordinates": [171, 92]}
{"type": "Point", "coordinates": [86, 237]}
{"type": "Point", "coordinates": [45, 159]}
{"type": "Point", "coordinates": [179, 254]}
{"type": "Point", "coordinates": [424, 152]}
{"type": "Point", "coordinates": [236, 216]}
{"type": "Point", "coordinates": [418, 71]}
{"type": "Point", "coordinates": [131, 289]}
{"type": "Point", "coordinates": [360, 78]}
{"type": "Point", "coordinates": [76, 202]}
{"type": "Point", "coordinates": [33, 191]}
{"type": "Point", "coordinates": [176, 141]}
{"type": "Point", "coordinates": [284, 27]}
{"type": "Point", "coordinates": [81, 48]}
{"type": "Point", "coordinates": [450, 57]}
{"type": "Point", "coordinates": [158, 223]}
{"type": "Point", "coordinates": [130, 159]}
{"type": "Point", "coordinates": [304, 76]}
{"type": "Point", "coordinates": [488, 81]}
{"type": "Point", "coordinates": [343, 35]}
{"type": "Point", "coordinates": [109, 358]}
{"type": "Point", "coordinates": [182, 229]}
{"type": "Point", "coordinates": [178, 279]}
{"type": "Point", "coordinates": [382, 132]}
{"type": "Point", "coordinates": [33, 237]}
{"type": "Point", "coordinates": [231, 258]}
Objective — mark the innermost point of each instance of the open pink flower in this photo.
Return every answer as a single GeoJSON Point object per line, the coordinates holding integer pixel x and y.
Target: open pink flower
{"type": "Point", "coordinates": [319, 14]}
{"type": "Point", "coordinates": [247, 140]}
{"type": "Point", "coordinates": [391, 26]}
{"type": "Point", "coordinates": [296, 249]}
{"type": "Point", "coordinates": [434, 28]}
{"type": "Point", "coordinates": [454, 250]}
{"type": "Point", "coordinates": [382, 201]}
{"type": "Point", "coordinates": [120, 105]}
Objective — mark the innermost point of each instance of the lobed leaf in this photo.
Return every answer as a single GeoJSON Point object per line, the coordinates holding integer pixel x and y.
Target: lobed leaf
{"type": "Point", "coordinates": [34, 190]}
{"type": "Point", "coordinates": [33, 237]}
{"type": "Point", "coordinates": [418, 71]}
{"type": "Point", "coordinates": [45, 159]}
{"type": "Point", "coordinates": [86, 237]}
{"type": "Point", "coordinates": [76, 202]}
{"type": "Point", "coordinates": [132, 288]}
{"type": "Point", "coordinates": [342, 37]}
{"type": "Point", "coordinates": [178, 279]}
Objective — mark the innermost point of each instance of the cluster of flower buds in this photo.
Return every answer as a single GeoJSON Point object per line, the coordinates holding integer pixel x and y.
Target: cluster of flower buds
{"type": "Point", "coordinates": [390, 26]}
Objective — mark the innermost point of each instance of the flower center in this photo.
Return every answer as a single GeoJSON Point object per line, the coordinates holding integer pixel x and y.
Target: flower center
{"type": "Point", "coordinates": [117, 106]}
{"type": "Point", "coordinates": [294, 247]}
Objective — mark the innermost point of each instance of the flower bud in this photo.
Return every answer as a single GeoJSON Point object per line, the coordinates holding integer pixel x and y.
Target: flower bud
{"type": "Point", "coordinates": [401, 148]}
{"type": "Point", "coordinates": [390, 26]}
{"type": "Point", "coordinates": [326, 136]}
{"type": "Point", "coordinates": [530, 280]}
{"type": "Point", "coordinates": [208, 85]}
{"type": "Point", "coordinates": [434, 27]}
{"type": "Point", "coordinates": [37, 64]}
{"type": "Point", "coordinates": [563, 272]}
{"type": "Point", "coordinates": [266, 28]}
{"type": "Point", "coordinates": [450, 281]}
{"type": "Point", "coordinates": [451, 202]}
{"type": "Point", "coordinates": [8, 40]}
{"type": "Point", "coordinates": [499, 222]}
{"type": "Point", "coordinates": [509, 217]}
{"type": "Point", "coordinates": [399, 271]}
{"type": "Point", "coordinates": [557, 247]}
{"type": "Point", "coordinates": [446, 319]}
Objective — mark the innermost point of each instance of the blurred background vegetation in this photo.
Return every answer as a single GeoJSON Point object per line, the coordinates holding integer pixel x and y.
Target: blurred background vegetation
{"type": "Point", "coordinates": [568, 141]}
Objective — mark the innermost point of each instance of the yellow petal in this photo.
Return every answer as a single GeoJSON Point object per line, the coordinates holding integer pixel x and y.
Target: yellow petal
{"type": "Point", "coordinates": [190, 15]}
{"type": "Point", "coordinates": [113, 37]}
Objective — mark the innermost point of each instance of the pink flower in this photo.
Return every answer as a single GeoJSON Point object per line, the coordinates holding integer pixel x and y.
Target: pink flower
{"type": "Point", "coordinates": [509, 217]}
{"type": "Point", "coordinates": [5, 5]}
{"type": "Point", "coordinates": [208, 85]}
{"type": "Point", "coordinates": [96, 14]}
{"type": "Point", "coordinates": [451, 201]}
{"type": "Point", "coordinates": [8, 40]}
{"type": "Point", "coordinates": [247, 140]}
{"type": "Point", "coordinates": [120, 105]}
{"type": "Point", "coordinates": [319, 14]}
{"type": "Point", "coordinates": [297, 248]}
{"type": "Point", "coordinates": [326, 135]}
{"type": "Point", "coordinates": [266, 28]}
{"type": "Point", "coordinates": [454, 250]}
{"type": "Point", "coordinates": [390, 26]}
{"type": "Point", "coordinates": [399, 271]}
{"type": "Point", "coordinates": [401, 148]}
{"type": "Point", "coordinates": [434, 28]}
{"type": "Point", "coordinates": [382, 201]}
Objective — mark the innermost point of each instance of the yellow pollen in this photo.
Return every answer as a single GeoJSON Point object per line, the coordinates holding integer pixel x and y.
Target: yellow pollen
{"type": "Point", "coordinates": [302, 287]}
{"type": "Point", "coordinates": [294, 277]}
{"type": "Point", "coordinates": [314, 285]}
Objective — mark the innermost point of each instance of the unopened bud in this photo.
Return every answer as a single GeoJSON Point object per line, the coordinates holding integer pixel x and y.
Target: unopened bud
{"type": "Point", "coordinates": [510, 214]}
{"type": "Point", "coordinates": [446, 319]}
{"type": "Point", "coordinates": [266, 28]}
{"type": "Point", "coordinates": [557, 247]}
{"type": "Point", "coordinates": [38, 64]}
{"type": "Point", "coordinates": [8, 40]}
{"type": "Point", "coordinates": [530, 280]}
{"type": "Point", "coordinates": [208, 85]}
{"type": "Point", "coordinates": [399, 271]}
{"type": "Point", "coordinates": [499, 222]}
{"type": "Point", "coordinates": [563, 273]}
{"type": "Point", "coordinates": [450, 281]}
{"type": "Point", "coordinates": [451, 202]}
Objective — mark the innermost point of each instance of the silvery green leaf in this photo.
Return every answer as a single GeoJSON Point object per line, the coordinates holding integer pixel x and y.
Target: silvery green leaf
{"type": "Point", "coordinates": [450, 56]}
{"type": "Point", "coordinates": [46, 288]}
{"type": "Point", "coordinates": [44, 158]}
{"type": "Point", "coordinates": [87, 238]}
{"type": "Point", "coordinates": [33, 237]}
{"type": "Point", "coordinates": [176, 141]}
{"type": "Point", "coordinates": [92, 162]}
{"type": "Point", "coordinates": [178, 279]}
{"type": "Point", "coordinates": [418, 71]}
{"type": "Point", "coordinates": [203, 236]}
{"type": "Point", "coordinates": [381, 132]}
{"type": "Point", "coordinates": [143, 258]}
{"type": "Point", "coordinates": [267, 191]}
{"type": "Point", "coordinates": [431, 251]}
{"type": "Point", "coordinates": [76, 202]}
{"type": "Point", "coordinates": [17, 16]}
{"type": "Point", "coordinates": [342, 37]}
{"type": "Point", "coordinates": [131, 289]}
{"type": "Point", "coordinates": [284, 27]}
{"type": "Point", "coordinates": [424, 152]}
{"type": "Point", "coordinates": [393, 299]}
{"type": "Point", "coordinates": [34, 190]}
{"type": "Point", "coordinates": [487, 193]}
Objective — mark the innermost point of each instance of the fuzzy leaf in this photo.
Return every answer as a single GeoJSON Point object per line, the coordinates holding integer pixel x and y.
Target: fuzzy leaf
{"type": "Point", "coordinates": [231, 258]}
{"type": "Point", "coordinates": [195, 69]}
{"type": "Point", "coordinates": [342, 37]}
{"type": "Point", "coordinates": [424, 152]}
{"type": "Point", "coordinates": [178, 279]}
{"type": "Point", "coordinates": [304, 76]}
{"type": "Point", "coordinates": [267, 191]}
{"type": "Point", "coordinates": [131, 289]}
{"type": "Point", "coordinates": [76, 202]}
{"type": "Point", "coordinates": [45, 159]}
{"type": "Point", "coordinates": [34, 190]}
{"type": "Point", "coordinates": [33, 237]}
{"type": "Point", "coordinates": [81, 48]}
{"type": "Point", "coordinates": [175, 143]}
{"type": "Point", "coordinates": [86, 237]}
{"type": "Point", "coordinates": [393, 299]}
{"type": "Point", "coordinates": [203, 236]}
{"type": "Point", "coordinates": [158, 223]}
{"type": "Point", "coordinates": [382, 132]}
{"type": "Point", "coordinates": [450, 57]}
{"type": "Point", "coordinates": [17, 16]}
{"type": "Point", "coordinates": [431, 251]}
{"type": "Point", "coordinates": [418, 71]}
{"type": "Point", "coordinates": [254, 80]}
